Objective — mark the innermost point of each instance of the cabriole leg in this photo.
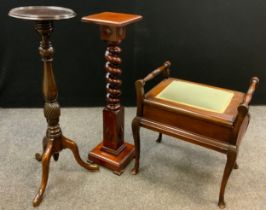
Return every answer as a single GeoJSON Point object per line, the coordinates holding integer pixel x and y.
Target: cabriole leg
{"type": "Point", "coordinates": [69, 144]}
{"type": "Point", "coordinates": [231, 161]}
{"type": "Point", "coordinates": [136, 136]}
{"type": "Point", "coordinates": [45, 173]}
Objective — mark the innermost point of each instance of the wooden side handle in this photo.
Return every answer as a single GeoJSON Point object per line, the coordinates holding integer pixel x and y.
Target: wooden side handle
{"type": "Point", "coordinates": [139, 84]}
{"type": "Point", "coordinates": [157, 71]}
{"type": "Point", "coordinates": [243, 108]}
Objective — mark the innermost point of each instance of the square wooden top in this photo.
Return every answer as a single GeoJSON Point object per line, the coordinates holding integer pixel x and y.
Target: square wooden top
{"type": "Point", "coordinates": [112, 19]}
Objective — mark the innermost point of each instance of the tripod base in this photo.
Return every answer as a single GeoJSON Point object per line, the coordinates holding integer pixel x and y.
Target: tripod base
{"type": "Point", "coordinates": [116, 163]}
{"type": "Point", "coordinates": [52, 148]}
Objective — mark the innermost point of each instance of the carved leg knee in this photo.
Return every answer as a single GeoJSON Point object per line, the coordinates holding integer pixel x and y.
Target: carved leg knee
{"type": "Point", "coordinates": [136, 136]}
{"type": "Point", "coordinates": [38, 156]}
{"type": "Point", "coordinates": [231, 160]}
{"type": "Point", "coordinates": [67, 143]}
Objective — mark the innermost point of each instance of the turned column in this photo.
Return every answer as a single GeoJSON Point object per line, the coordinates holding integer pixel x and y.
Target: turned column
{"type": "Point", "coordinates": [51, 106]}
{"type": "Point", "coordinates": [113, 153]}
{"type": "Point", "coordinates": [53, 141]}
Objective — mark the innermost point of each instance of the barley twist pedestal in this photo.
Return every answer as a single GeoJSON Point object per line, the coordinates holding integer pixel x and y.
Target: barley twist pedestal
{"type": "Point", "coordinates": [54, 141]}
{"type": "Point", "coordinates": [113, 152]}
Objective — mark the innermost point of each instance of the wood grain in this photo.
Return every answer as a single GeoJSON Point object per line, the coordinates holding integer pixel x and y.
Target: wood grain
{"type": "Point", "coordinates": [221, 132]}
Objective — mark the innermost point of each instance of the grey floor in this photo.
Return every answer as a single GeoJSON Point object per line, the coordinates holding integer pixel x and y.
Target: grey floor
{"type": "Point", "coordinates": [173, 174]}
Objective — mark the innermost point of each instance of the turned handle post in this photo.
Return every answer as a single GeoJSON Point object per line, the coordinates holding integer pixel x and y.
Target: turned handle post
{"type": "Point", "coordinates": [139, 84]}
{"type": "Point", "coordinates": [243, 107]}
{"type": "Point", "coordinates": [162, 69]}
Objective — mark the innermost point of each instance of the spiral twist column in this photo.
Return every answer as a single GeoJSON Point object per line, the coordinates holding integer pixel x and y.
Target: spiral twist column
{"type": "Point", "coordinates": [113, 152]}
{"type": "Point", "coordinates": [113, 70]}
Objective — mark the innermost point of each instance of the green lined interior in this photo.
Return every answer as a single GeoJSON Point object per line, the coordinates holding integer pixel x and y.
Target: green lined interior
{"type": "Point", "coordinates": [195, 95]}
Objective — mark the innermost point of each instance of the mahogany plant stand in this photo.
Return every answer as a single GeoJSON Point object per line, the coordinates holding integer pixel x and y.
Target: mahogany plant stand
{"type": "Point", "coordinates": [113, 153]}
{"type": "Point", "coordinates": [54, 141]}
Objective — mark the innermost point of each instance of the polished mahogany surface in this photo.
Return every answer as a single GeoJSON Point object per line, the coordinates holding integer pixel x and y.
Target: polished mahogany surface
{"type": "Point", "coordinates": [54, 141]}
{"type": "Point", "coordinates": [227, 117]}
{"type": "Point", "coordinates": [221, 132]}
{"type": "Point", "coordinates": [113, 153]}
{"type": "Point", "coordinates": [112, 18]}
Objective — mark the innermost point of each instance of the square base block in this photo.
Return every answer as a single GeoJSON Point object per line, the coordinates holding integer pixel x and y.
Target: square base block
{"type": "Point", "coordinates": [116, 163]}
